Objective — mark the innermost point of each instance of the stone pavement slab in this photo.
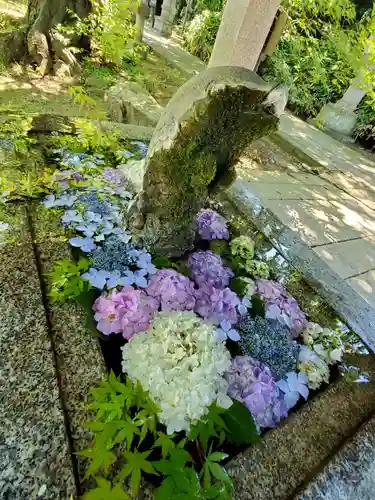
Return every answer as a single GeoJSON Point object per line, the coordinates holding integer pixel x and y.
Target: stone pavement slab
{"type": "Point", "coordinates": [364, 284]}
{"type": "Point", "coordinates": [35, 460]}
{"type": "Point", "coordinates": [349, 258]}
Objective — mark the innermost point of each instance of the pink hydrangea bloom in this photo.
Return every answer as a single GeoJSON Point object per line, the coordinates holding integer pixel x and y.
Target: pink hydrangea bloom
{"type": "Point", "coordinates": [211, 225]}
{"type": "Point", "coordinates": [127, 311]}
{"type": "Point", "coordinates": [217, 305]}
{"type": "Point", "coordinates": [174, 291]}
{"type": "Point", "coordinates": [206, 268]}
{"type": "Point", "coordinates": [281, 305]}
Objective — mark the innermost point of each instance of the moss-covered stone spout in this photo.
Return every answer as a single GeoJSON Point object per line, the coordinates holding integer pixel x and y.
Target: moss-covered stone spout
{"type": "Point", "coordinates": [196, 144]}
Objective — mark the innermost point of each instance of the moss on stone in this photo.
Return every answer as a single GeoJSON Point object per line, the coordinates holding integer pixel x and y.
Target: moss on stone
{"type": "Point", "coordinates": [200, 159]}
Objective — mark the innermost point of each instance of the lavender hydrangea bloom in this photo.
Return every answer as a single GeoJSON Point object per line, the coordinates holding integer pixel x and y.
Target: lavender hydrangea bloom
{"type": "Point", "coordinates": [211, 225]}
{"type": "Point", "coordinates": [281, 305]}
{"type": "Point", "coordinates": [217, 305]}
{"type": "Point", "coordinates": [174, 291]}
{"type": "Point", "coordinates": [113, 176]}
{"type": "Point", "coordinates": [206, 268]}
{"type": "Point", "coordinates": [269, 341]}
{"type": "Point", "coordinates": [252, 383]}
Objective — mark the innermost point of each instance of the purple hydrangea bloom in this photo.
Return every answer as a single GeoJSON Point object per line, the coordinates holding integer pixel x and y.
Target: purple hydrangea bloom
{"type": "Point", "coordinates": [113, 176]}
{"type": "Point", "coordinates": [252, 383]}
{"type": "Point", "coordinates": [174, 291]}
{"type": "Point", "coordinates": [211, 225]}
{"type": "Point", "coordinates": [281, 305]}
{"type": "Point", "coordinates": [206, 268]}
{"type": "Point", "coordinates": [127, 311]}
{"type": "Point", "coordinates": [87, 245]}
{"type": "Point", "coordinates": [217, 305]}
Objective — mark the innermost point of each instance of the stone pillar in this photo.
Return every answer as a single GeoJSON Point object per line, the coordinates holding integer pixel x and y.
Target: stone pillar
{"type": "Point", "coordinates": [243, 32]}
{"type": "Point", "coordinates": [340, 118]}
{"type": "Point", "coordinates": [164, 22]}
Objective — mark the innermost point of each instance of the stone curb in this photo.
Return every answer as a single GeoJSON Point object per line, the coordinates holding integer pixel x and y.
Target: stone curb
{"type": "Point", "coordinates": [351, 474]}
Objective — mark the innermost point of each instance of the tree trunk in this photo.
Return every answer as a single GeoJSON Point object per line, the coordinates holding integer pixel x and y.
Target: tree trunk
{"type": "Point", "coordinates": [46, 47]}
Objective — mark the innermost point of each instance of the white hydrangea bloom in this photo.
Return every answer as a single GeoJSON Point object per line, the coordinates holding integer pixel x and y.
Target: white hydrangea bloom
{"type": "Point", "coordinates": [325, 342]}
{"type": "Point", "coordinates": [313, 366]}
{"type": "Point", "coordinates": [180, 361]}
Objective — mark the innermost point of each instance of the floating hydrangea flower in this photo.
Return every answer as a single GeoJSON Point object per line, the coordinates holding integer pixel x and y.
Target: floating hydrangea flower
{"type": "Point", "coordinates": [281, 305]}
{"type": "Point", "coordinates": [113, 176]}
{"type": "Point", "coordinates": [314, 367]}
{"type": "Point", "coordinates": [227, 332]}
{"type": "Point", "coordinates": [51, 201]}
{"type": "Point", "coordinates": [174, 291]}
{"type": "Point", "coordinates": [127, 311]}
{"type": "Point", "coordinates": [243, 247]}
{"type": "Point", "coordinates": [217, 305]}
{"type": "Point", "coordinates": [269, 342]}
{"type": "Point", "coordinates": [101, 279]}
{"type": "Point", "coordinates": [325, 342]}
{"type": "Point", "coordinates": [181, 364]}
{"type": "Point", "coordinates": [252, 383]}
{"type": "Point", "coordinates": [87, 245]}
{"type": "Point", "coordinates": [244, 306]}
{"type": "Point", "coordinates": [71, 217]}
{"type": "Point", "coordinates": [206, 268]}
{"type": "Point", "coordinates": [211, 225]}
{"type": "Point", "coordinates": [293, 387]}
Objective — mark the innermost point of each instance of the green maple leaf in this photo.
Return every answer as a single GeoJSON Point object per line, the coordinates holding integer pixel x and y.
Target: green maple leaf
{"type": "Point", "coordinates": [211, 426]}
{"type": "Point", "coordinates": [104, 491]}
{"type": "Point", "coordinates": [100, 459]}
{"type": "Point", "coordinates": [166, 444]}
{"type": "Point", "coordinates": [135, 463]}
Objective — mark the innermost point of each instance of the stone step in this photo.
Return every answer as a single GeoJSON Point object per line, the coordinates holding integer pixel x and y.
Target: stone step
{"type": "Point", "coordinates": [35, 458]}
{"type": "Point", "coordinates": [290, 456]}
{"type": "Point", "coordinates": [350, 474]}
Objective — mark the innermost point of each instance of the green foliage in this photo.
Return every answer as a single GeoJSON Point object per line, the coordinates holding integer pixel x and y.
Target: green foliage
{"type": "Point", "coordinates": [213, 5]}
{"type": "Point", "coordinates": [199, 36]}
{"type": "Point", "coordinates": [104, 491]}
{"type": "Point", "coordinates": [240, 424]}
{"type": "Point", "coordinates": [128, 439]}
{"type": "Point", "coordinates": [365, 127]}
{"type": "Point", "coordinates": [318, 55]}
{"type": "Point", "coordinates": [65, 280]}
{"type": "Point", "coordinates": [111, 29]}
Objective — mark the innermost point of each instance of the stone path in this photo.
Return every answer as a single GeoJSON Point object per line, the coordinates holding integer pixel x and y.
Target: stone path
{"type": "Point", "coordinates": [170, 50]}
{"type": "Point", "coordinates": [324, 193]}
